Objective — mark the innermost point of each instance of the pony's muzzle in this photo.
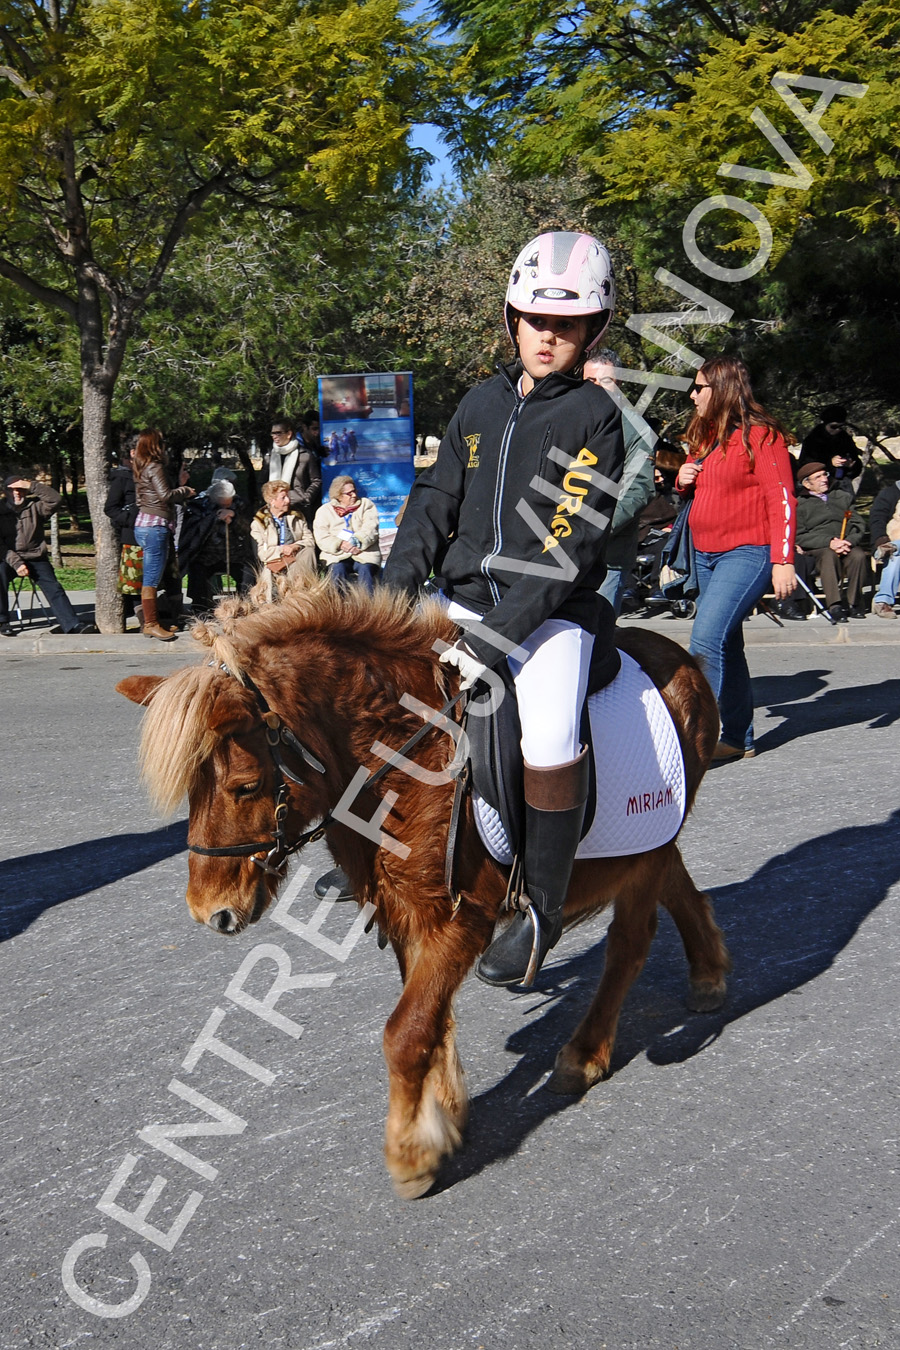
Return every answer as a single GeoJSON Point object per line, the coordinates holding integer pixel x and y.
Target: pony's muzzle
{"type": "Point", "coordinates": [225, 921]}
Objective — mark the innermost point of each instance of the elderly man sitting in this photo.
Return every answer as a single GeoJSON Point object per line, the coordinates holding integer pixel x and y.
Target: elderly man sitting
{"type": "Point", "coordinates": [830, 531]}
{"type": "Point", "coordinates": [213, 539]}
{"type": "Point", "coordinates": [31, 503]}
{"type": "Point", "coordinates": [284, 542]}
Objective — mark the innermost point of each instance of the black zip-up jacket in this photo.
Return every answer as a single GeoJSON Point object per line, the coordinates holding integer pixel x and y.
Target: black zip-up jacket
{"type": "Point", "coordinates": [121, 503]}
{"type": "Point", "coordinates": [515, 512]}
{"type": "Point", "coordinates": [883, 507]}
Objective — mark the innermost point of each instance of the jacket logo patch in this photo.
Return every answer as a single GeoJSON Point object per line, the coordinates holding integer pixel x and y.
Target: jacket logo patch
{"type": "Point", "coordinates": [472, 444]}
{"type": "Point", "coordinates": [574, 489]}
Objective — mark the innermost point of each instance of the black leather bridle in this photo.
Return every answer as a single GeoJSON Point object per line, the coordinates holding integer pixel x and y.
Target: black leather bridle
{"type": "Point", "coordinates": [277, 850]}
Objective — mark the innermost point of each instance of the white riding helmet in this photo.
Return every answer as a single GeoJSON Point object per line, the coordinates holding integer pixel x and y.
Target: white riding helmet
{"type": "Point", "coordinates": [562, 272]}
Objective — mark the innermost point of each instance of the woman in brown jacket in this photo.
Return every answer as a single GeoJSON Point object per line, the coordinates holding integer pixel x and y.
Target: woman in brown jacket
{"type": "Point", "coordinates": [155, 521]}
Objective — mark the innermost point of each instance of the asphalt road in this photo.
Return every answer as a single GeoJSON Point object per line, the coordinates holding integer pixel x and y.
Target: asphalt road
{"type": "Point", "coordinates": [732, 1184]}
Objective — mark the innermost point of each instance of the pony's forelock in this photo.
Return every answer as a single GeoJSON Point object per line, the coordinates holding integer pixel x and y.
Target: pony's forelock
{"type": "Point", "coordinates": [176, 738]}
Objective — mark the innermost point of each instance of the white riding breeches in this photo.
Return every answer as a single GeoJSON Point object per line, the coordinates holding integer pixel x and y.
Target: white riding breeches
{"type": "Point", "coordinates": [551, 684]}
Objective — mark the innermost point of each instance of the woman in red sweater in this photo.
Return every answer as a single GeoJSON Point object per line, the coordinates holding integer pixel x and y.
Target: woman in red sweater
{"type": "Point", "coordinates": [742, 522]}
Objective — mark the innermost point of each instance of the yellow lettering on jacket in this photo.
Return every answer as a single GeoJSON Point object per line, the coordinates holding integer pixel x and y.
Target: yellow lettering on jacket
{"type": "Point", "coordinates": [570, 503]}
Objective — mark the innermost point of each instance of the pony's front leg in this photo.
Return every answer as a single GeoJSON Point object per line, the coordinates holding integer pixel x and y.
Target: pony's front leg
{"type": "Point", "coordinates": [428, 1101]}
{"type": "Point", "coordinates": [585, 1059]}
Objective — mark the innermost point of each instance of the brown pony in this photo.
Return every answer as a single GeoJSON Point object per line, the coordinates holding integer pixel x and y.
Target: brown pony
{"type": "Point", "coordinates": [334, 667]}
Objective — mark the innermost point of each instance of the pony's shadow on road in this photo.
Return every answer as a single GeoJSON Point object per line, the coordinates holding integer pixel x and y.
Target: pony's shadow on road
{"type": "Point", "coordinates": [805, 705]}
{"type": "Point", "coordinates": [784, 925]}
{"type": "Point", "coordinates": [39, 881]}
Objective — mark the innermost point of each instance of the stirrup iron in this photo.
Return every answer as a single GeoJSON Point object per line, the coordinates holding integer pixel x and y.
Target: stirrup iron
{"type": "Point", "coordinates": [534, 959]}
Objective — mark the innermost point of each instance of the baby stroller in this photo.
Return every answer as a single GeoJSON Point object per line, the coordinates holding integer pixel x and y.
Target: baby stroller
{"type": "Point", "coordinates": [644, 599]}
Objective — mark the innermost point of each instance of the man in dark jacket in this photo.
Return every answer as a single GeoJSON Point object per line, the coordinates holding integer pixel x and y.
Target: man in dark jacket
{"type": "Point", "coordinates": [32, 503]}
{"type": "Point", "coordinates": [214, 540]}
{"type": "Point", "coordinates": [830, 532]}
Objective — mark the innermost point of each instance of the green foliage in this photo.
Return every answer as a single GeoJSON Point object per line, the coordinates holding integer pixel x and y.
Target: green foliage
{"type": "Point", "coordinates": [648, 100]}
{"type": "Point", "coordinates": [669, 157]}
{"type": "Point", "coordinates": [552, 77]}
{"type": "Point", "coordinates": [122, 121]}
{"type": "Point", "coordinates": [239, 330]}
{"type": "Point", "coordinates": [153, 100]}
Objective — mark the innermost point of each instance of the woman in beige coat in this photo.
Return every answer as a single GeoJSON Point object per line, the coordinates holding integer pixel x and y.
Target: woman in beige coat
{"type": "Point", "coordinates": [283, 540]}
{"type": "Point", "coordinates": [346, 530]}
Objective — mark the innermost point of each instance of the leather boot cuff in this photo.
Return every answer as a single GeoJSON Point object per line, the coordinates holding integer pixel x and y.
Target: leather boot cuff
{"type": "Point", "coordinates": [559, 788]}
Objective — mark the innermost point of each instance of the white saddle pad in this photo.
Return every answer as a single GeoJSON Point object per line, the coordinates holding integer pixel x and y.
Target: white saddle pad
{"type": "Point", "coordinates": [640, 773]}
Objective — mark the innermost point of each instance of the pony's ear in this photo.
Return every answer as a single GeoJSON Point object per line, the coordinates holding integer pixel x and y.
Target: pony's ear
{"type": "Point", "coordinates": [139, 688]}
{"type": "Point", "coordinates": [231, 714]}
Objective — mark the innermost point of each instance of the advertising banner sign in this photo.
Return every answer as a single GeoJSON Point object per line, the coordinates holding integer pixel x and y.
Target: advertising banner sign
{"type": "Point", "coordinates": [367, 432]}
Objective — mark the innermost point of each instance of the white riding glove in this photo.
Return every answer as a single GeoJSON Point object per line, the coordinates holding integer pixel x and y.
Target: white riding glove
{"type": "Point", "coordinates": [469, 667]}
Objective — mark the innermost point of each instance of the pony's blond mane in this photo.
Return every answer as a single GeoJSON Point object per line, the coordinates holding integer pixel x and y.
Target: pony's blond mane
{"type": "Point", "coordinates": [176, 739]}
{"type": "Point", "coordinates": [383, 621]}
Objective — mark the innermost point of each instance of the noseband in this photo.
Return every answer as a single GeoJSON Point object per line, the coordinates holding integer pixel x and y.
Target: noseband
{"type": "Point", "coordinates": [277, 851]}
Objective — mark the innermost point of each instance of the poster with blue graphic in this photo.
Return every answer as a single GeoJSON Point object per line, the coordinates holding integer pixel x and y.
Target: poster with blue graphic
{"type": "Point", "coordinates": [367, 432]}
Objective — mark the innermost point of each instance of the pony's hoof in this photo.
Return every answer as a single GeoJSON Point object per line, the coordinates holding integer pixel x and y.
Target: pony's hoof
{"type": "Point", "coordinates": [705, 997]}
{"type": "Point", "coordinates": [570, 1078]}
{"type": "Point", "coordinates": [413, 1188]}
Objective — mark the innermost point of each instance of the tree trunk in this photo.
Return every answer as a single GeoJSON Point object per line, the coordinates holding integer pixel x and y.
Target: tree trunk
{"type": "Point", "coordinates": [97, 401]}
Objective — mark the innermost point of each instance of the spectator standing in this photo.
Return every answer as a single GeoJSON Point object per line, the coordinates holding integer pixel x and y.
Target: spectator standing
{"type": "Point", "coordinates": [636, 490]}
{"type": "Point", "coordinates": [830, 532]}
{"type": "Point", "coordinates": [121, 508]}
{"type": "Point", "coordinates": [292, 461]}
{"type": "Point", "coordinates": [740, 475]}
{"type": "Point", "coordinates": [831, 444]}
{"type": "Point", "coordinates": [884, 530]}
{"type": "Point", "coordinates": [346, 531]}
{"type": "Point", "coordinates": [312, 432]}
{"type": "Point", "coordinates": [284, 542]}
{"type": "Point", "coordinates": [154, 523]}
{"type": "Point", "coordinates": [31, 503]}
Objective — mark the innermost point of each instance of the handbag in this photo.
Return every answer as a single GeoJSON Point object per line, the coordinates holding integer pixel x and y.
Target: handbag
{"type": "Point", "coordinates": [678, 570]}
{"type": "Point", "coordinates": [131, 570]}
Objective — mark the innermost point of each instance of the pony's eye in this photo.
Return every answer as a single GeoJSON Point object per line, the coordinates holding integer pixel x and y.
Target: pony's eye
{"type": "Point", "coordinates": [247, 789]}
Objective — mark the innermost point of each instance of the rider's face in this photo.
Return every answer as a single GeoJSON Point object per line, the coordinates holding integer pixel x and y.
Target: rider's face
{"type": "Point", "coordinates": [550, 343]}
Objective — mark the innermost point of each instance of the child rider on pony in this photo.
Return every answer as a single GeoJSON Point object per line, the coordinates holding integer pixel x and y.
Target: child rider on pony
{"type": "Point", "coordinates": [514, 515]}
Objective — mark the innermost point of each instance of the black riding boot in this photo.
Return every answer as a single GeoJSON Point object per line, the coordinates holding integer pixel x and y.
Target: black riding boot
{"type": "Point", "coordinates": [554, 811]}
{"type": "Point", "coordinates": [338, 883]}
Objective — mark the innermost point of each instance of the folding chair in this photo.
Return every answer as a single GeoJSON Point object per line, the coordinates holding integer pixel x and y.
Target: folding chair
{"type": "Point", "coordinates": [17, 585]}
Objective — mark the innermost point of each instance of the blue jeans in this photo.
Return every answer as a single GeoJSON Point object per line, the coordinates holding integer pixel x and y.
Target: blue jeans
{"type": "Point", "coordinates": [613, 588]}
{"type": "Point", "coordinates": [889, 581]}
{"type": "Point", "coordinates": [348, 570]}
{"type": "Point", "coordinates": [730, 585]}
{"type": "Point", "coordinates": [41, 571]}
{"type": "Point", "coordinates": [154, 540]}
